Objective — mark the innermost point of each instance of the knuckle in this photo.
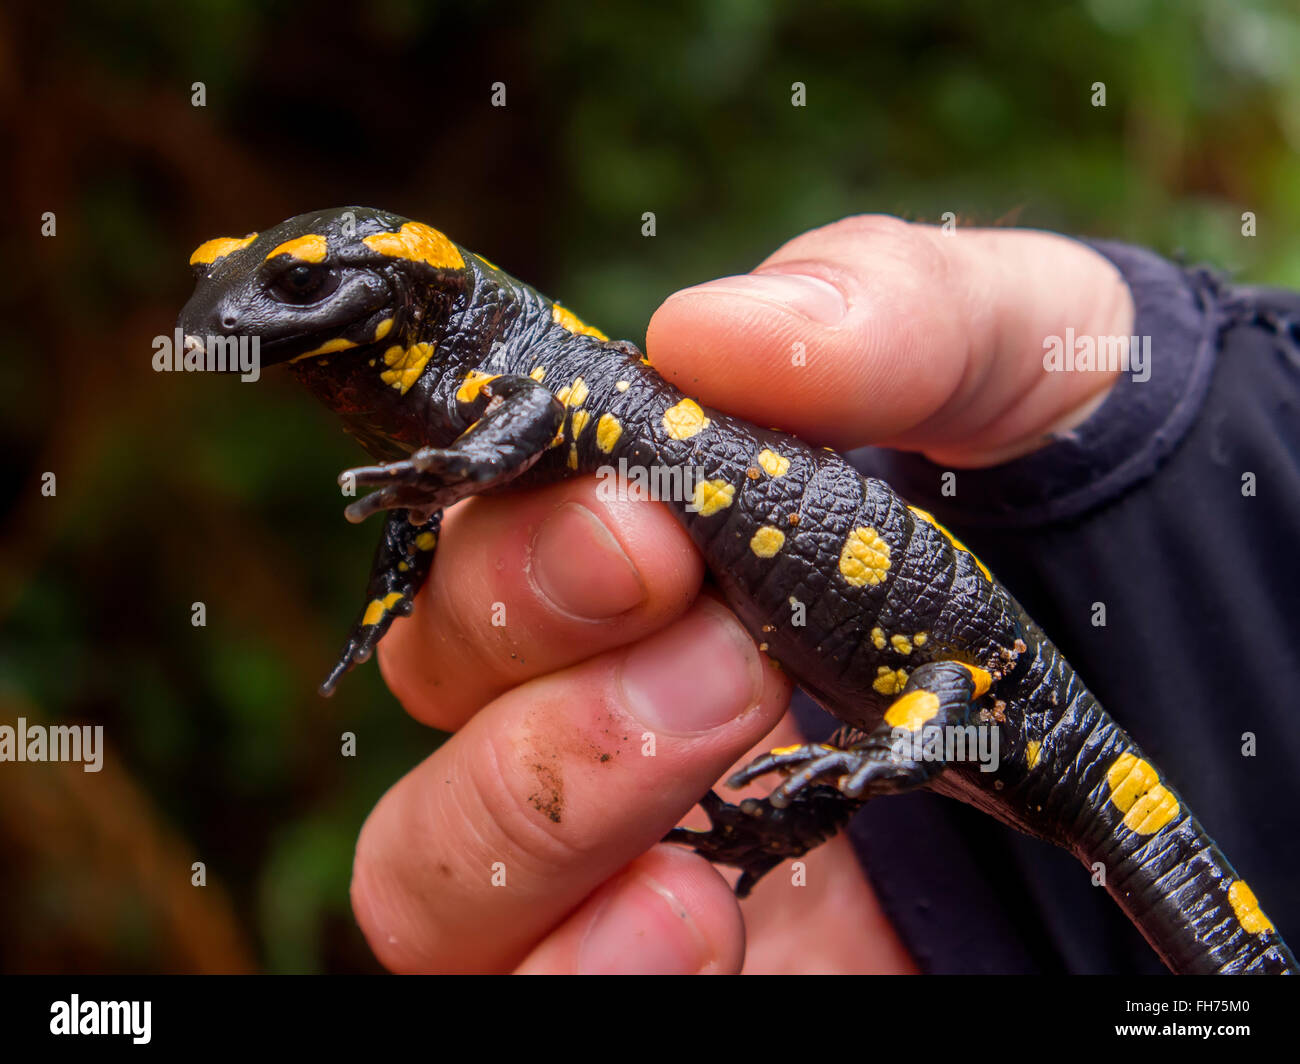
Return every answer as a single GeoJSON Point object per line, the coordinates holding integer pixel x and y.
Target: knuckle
{"type": "Point", "coordinates": [872, 225]}
{"type": "Point", "coordinates": [909, 254]}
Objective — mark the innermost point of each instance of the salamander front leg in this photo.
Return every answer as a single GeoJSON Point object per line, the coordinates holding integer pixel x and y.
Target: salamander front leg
{"type": "Point", "coordinates": [517, 424]}
{"type": "Point", "coordinates": [402, 561]}
{"type": "Point", "coordinates": [513, 420]}
{"type": "Point", "coordinates": [825, 783]}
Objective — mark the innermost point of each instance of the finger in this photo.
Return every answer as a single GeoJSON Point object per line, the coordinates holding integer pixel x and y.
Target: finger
{"type": "Point", "coordinates": [474, 856]}
{"type": "Point", "coordinates": [874, 330]}
{"type": "Point", "coordinates": [530, 584]}
{"type": "Point", "coordinates": [668, 913]}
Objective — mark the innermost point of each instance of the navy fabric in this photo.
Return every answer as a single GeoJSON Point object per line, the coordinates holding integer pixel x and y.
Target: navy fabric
{"type": "Point", "coordinates": [1141, 509]}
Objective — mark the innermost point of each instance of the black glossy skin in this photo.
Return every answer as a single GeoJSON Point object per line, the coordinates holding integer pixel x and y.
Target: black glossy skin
{"type": "Point", "coordinates": [515, 432]}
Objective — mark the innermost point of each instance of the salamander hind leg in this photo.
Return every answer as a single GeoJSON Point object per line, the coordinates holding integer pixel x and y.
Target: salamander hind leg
{"type": "Point", "coordinates": [755, 836]}
{"type": "Point", "coordinates": [825, 783]}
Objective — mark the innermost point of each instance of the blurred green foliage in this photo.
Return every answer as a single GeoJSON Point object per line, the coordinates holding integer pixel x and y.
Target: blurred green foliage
{"type": "Point", "coordinates": [174, 489]}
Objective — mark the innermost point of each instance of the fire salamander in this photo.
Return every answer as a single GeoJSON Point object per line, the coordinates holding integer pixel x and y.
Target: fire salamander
{"type": "Point", "coordinates": [459, 379]}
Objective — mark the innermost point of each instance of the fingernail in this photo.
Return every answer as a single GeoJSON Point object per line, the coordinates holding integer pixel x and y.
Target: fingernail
{"type": "Point", "coordinates": [697, 675]}
{"type": "Point", "coordinates": [810, 297]}
{"type": "Point", "coordinates": [580, 567]}
{"type": "Point", "coordinates": [642, 930]}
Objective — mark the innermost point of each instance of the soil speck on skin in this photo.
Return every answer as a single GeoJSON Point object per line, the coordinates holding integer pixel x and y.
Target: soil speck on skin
{"type": "Point", "coordinates": [601, 754]}
{"type": "Point", "coordinates": [549, 798]}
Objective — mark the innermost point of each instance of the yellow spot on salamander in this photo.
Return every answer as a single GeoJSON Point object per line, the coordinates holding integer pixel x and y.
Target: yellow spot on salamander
{"type": "Point", "coordinates": [310, 248]}
{"type": "Point", "coordinates": [889, 681]}
{"type": "Point", "coordinates": [402, 567]}
{"type": "Point", "coordinates": [913, 710]}
{"type": "Point", "coordinates": [580, 419]}
{"type": "Point", "coordinates": [563, 316]}
{"type": "Point", "coordinates": [405, 364]}
{"type": "Point", "coordinates": [573, 456]}
{"type": "Point", "coordinates": [865, 558]}
{"type": "Point", "coordinates": [418, 243]}
{"type": "Point", "coordinates": [1136, 791]}
{"type": "Point", "coordinates": [774, 465]}
{"type": "Point", "coordinates": [901, 643]}
{"type": "Point", "coordinates": [328, 347]}
{"type": "Point", "coordinates": [426, 541]}
{"type": "Point", "coordinates": [210, 250]}
{"type": "Point", "coordinates": [920, 638]}
{"type": "Point", "coordinates": [538, 374]}
{"type": "Point", "coordinates": [474, 381]}
{"type": "Point", "coordinates": [608, 431]}
{"type": "Point", "coordinates": [1128, 779]}
{"type": "Point", "coordinates": [574, 394]}
{"type": "Point", "coordinates": [622, 386]}
{"type": "Point", "coordinates": [981, 678]}
{"type": "Point", "coordinates": [957, 544]}
{"type": "Point", "coordinates": [1243, 902]}
{"type": "Point", "coordinates": [712, 496]}
{"type": "Point", "coordinates": [1033, 750]}
{"type": "Point", "coordinates": [878, 638]}
{"type": "Point", "coordinates": [685, 419]}
{"type": "Point", "coordinates": [378, 607]}
{"type": "Point", "coordinates": [383, 329]}
{"type": "Point", "coordinates": [767, 541]}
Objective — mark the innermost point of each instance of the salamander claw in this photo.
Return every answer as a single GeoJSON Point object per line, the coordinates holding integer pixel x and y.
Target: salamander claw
{"type": "Point", "coordinates": [423, 483]}
{"type": "Point", "coordinates": [868, 767]}
{"type": "Point", "coordinates": [756, 836]}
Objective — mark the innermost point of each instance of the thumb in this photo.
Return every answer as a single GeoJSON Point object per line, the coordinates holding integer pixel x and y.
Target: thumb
{"type": "Point", "coordinates": [875, 330]}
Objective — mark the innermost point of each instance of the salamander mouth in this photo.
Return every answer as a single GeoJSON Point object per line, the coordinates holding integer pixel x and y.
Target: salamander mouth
{"type": "Point", "coordinates": [270, 352]}
{"type": "Point", "coordinates": [288, 348]}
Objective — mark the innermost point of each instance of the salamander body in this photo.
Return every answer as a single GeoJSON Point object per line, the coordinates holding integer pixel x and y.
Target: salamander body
{"type": "Point", "coordinates": [459, 379]}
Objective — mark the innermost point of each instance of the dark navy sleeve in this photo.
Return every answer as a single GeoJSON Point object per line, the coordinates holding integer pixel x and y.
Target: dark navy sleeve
{"type": "Point", "coordinates": [1176, 507]}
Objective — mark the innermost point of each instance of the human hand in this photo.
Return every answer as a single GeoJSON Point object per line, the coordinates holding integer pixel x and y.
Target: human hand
{"type": "Point", "coordinates": [913, 336]}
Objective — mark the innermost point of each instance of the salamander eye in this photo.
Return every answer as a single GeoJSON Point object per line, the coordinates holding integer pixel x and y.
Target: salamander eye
{"type": "Point", "coordinates": [304, 284]}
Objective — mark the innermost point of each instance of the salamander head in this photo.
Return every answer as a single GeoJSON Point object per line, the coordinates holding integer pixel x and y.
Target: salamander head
{"type": "Point", "coordinates": [321, 282]}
